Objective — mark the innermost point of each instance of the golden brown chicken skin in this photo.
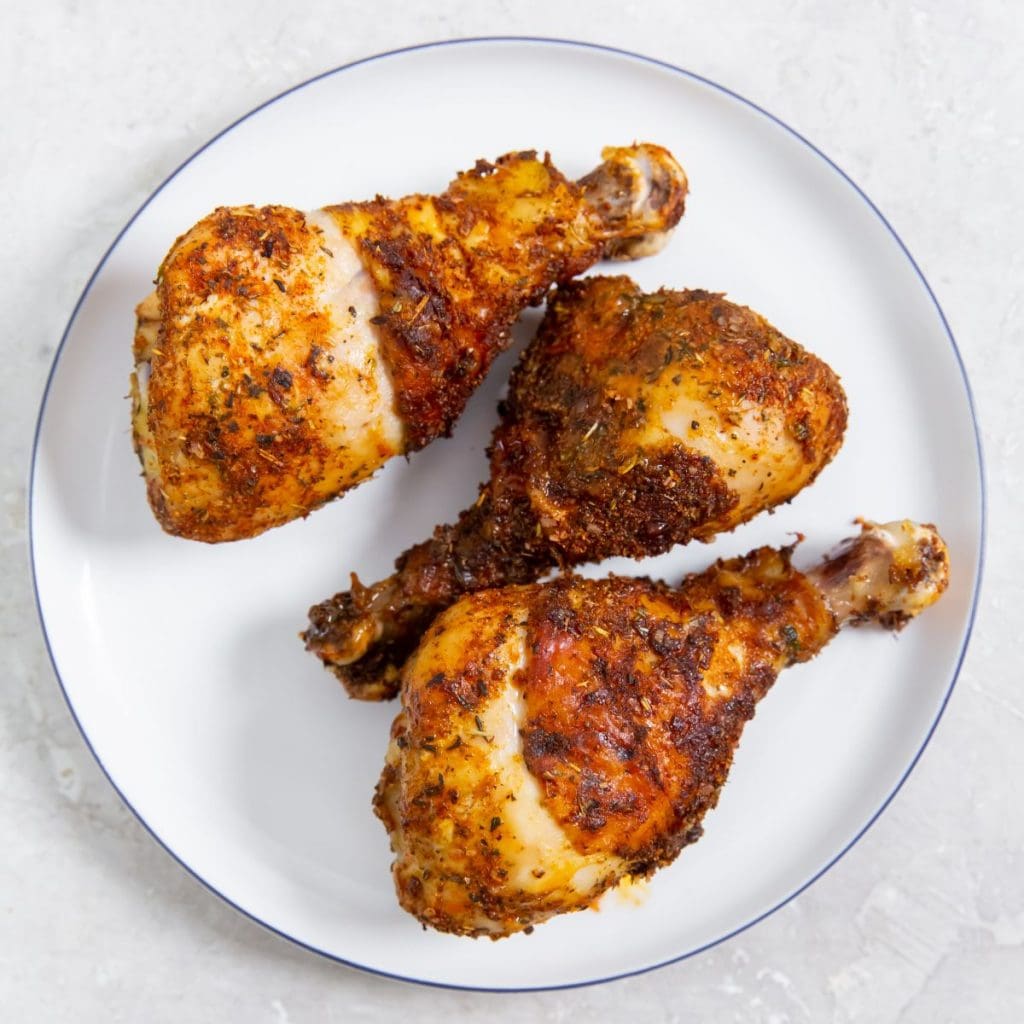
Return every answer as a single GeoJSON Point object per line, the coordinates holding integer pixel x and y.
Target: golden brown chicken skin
{"type": "Point", "coordinates": [557, 738]}
{"type": "Point", "coordinates": [284, 357]}
{"type": "Point", "coordinates": [634, 422]}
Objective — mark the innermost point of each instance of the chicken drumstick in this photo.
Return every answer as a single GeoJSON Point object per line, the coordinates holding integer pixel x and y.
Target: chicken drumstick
{"type": "Point", "coordinates": [633, 422]}
{"type": "Point", "coordinates": [284, 357]}
{"type": "Point", "coordinates": [556, 738]}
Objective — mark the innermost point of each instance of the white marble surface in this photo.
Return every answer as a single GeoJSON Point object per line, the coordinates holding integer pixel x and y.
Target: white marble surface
{"type": "Point", "coordinates": [920, 102]}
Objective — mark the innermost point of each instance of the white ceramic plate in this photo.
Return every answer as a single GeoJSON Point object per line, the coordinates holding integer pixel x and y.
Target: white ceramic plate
{"type": "Point", "coordinates": [181, 662]}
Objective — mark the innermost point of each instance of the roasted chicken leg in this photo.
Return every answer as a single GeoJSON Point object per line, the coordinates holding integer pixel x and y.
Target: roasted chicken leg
{"type": "Point", "coordinates": [556, 738]}
{"type": "Point", "coordinates": [633, 422]}
{"type": "Point", "coordinates": [283, 357]}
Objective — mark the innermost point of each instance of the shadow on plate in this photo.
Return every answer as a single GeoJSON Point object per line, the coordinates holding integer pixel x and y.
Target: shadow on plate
{"type": "Point", "coordinates": [303, 762]}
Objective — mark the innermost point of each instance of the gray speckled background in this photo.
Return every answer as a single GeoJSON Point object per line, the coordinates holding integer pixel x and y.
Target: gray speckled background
{"type": "Point", "coordinates": [921, 103]}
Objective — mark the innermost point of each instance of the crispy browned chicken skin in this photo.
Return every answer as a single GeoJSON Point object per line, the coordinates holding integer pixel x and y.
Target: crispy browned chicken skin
{"type": "Point", "coordinates": [633, 422]}
{"type": "Point", "coordinates": [284, 357]}
{"type": "Point", "coordinates": [556, 738]}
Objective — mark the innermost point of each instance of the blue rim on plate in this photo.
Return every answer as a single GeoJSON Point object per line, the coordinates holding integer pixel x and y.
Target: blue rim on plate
{"type": "Point", "coordinates": [534, 40]}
